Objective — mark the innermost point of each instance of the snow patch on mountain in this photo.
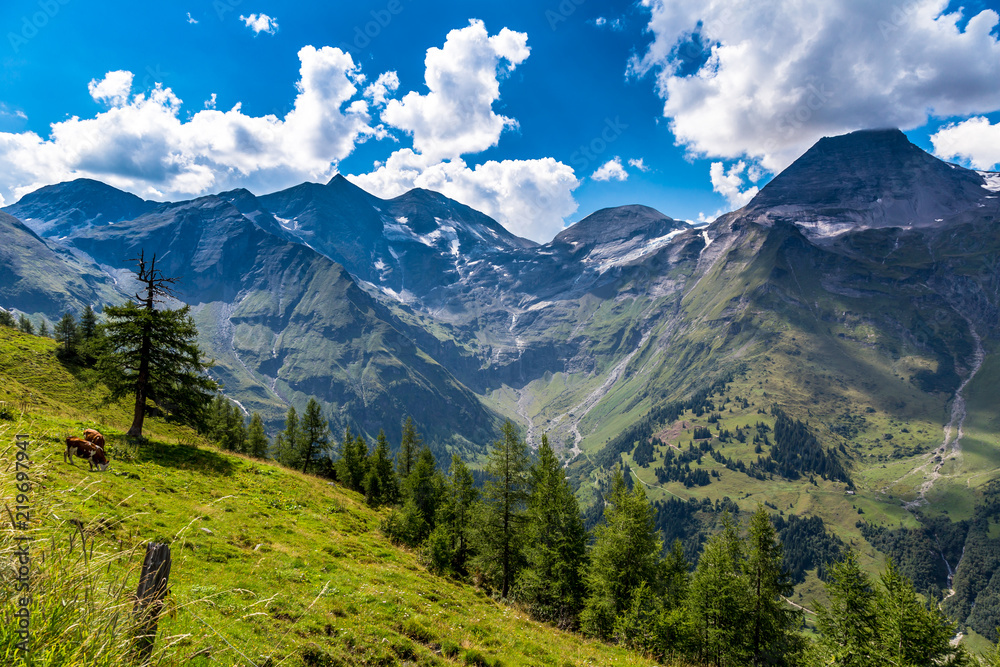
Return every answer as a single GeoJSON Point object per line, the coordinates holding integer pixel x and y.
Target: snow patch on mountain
{"type": "Point", "coordinates": [992, 179]}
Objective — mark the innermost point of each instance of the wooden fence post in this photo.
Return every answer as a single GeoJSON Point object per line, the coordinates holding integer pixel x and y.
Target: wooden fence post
{"type": "Point", "coordinates": [149, 596]}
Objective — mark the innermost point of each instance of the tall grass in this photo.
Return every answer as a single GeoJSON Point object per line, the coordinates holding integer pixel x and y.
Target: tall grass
{"type": "Point", "coordinates": [81, 588]}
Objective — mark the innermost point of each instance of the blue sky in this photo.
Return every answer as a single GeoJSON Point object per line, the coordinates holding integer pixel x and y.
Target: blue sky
{"type": "Point", "coordinates": [536, 112]}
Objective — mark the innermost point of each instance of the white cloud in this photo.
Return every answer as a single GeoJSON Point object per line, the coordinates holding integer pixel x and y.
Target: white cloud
{"type": "Point", "coordinates": [639, 164]}
{"type": "Point", "coordinates": [210, 102]}
{"type": "Point", "coordinates": [141, 144]}
{"type": "Point", "coordinates": [456, 117]}
{"type": "Point", "coordinates": [974, 140]}
{"type": "Point", "coordinates": [774, 80]}
{"type": "Point", "coordinates": [612, 170]}
{"type": "Point", "coordinates": [260, 23]}
{"type": "Point", "coordinates": [191, 19]}
{"type": "Point", "coordinates": [729, 184]}
{"type": "Point", "coordinates": [531, 198]}
{"type": "Point", "coordinates": [386, 84]}
{"type": "Point", "coordinates": [113, 89]}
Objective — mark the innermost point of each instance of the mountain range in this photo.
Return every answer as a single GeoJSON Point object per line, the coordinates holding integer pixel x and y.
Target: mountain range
{"type": "Point", "coordinates": [858, 294]}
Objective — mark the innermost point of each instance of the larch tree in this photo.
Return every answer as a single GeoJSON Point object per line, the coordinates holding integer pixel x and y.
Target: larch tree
{"type": "Point", "coordinates": [152, 355]}
{"type": "Point", "coordinates": [381, 485]}
{"type": "Point", "coordinates": [625, 558]}
{"type": "Point", "coordinates": [501, 512]}
{"type": "Point", "coordinates": [314, 434]}
{"type": "Point", "coordinates": [551, 583]}
{"type": "Point", "coordinates": [256, 438]}
{"type": "Point", "coordinates": [409, 449]}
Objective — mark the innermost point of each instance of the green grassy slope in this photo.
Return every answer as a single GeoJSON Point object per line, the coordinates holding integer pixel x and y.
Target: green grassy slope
{"type": "Point", "coordinates": [269, 566]}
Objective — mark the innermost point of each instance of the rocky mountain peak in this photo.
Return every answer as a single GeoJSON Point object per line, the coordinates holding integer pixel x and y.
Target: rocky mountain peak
{"type": "Point", "coordinates": [58, 210]}
{"type": "Point", "coordinates": [867, 179]}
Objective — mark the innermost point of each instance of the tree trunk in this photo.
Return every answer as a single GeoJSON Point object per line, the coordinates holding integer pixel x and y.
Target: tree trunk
{"type": "Point", "coordinates": [139, 415]}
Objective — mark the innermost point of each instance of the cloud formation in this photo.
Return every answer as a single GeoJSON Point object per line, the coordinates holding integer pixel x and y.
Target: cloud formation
{"type": "Point", "coordinates": [456, 117]}
{"type": "Point", "coordinates": [142, 144]}
{"type": "Point", "coordinates": [531, 198]}
{"type": "Point", "coordinates": [729, 183]}
{"type": "Point", "coordinates": [975, 141]}
{"type": "Point", "coordinates": [260, 23]}
{"type": "Point", "coordinates": [612, 170]}
{"type": "Point", "coordinates": [750, 79]}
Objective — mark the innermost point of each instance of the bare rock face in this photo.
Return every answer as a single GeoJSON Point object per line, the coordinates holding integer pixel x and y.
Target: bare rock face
{"type": "Point", "coordinates": [868, 180]}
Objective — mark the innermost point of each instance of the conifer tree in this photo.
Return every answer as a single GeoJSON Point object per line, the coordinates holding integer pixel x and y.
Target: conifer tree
{"type": "Point", "coordinates": [719, 599]}
{"type": "Point", "coordinates": [7, 319]}
{"type": "Point", "coordinates": [315, 436]}
{"type": "Point", "coordinates": [287, 445]}
{"type": "Point", "coordinates": [448, 546]}
{"type": "Point", "coordinates": [910, 633]}
{"type": "Point", "coordinates": [256, 438]}
{"type": "Point", "coordinates": [409, 448]}
{"type": "Point", "coordinates": [381, 485]}
{"type": "Point", "coordinates": [353, 463]}
{"type": "Point", "coordinates": [773, 623]}
{"type": "Point", "coordinates": [25, 325]}
{"type": "Point", "coordinates": [67, 334]}
{"type": "Point", "coordinates": [848, 627]}
{"type": "Point", "coordinates": [152, 354]}
{"type": "Point", "coordinates": [551, 583]}
{"type": "Point", "coordinates": [88, 324]}
{"type": "Point", "coordinates": [624, 559]}
{"type": "Point", "coordinates": [501, 512]}
{"type": "Point", "coordinates": [43, 329]}
{"type": "Point", "coordinates": [422, 492]}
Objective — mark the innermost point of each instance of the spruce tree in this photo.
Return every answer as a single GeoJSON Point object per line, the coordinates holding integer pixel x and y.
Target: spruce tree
{"type": "Point", "coordinates": [501, 512]}
{"type": "Point", "coordinates": [719, 599]}
{"type": "Point", "coordinates": [88, 324]}
{"type": "Point", "coordinates": [409, 448]}
{"type": "Point", "coordinates": [43, 329]}
{"type": "Point", "coordinates": [25, 325]}
{"type": "Point", "coordinates": [849, 626]}
{"type": "Point", "coordinates": [353, 463]}
{"type": "Point", "coordinates": [551, 583]}
{"type": "Point", "coordinates": [381, 485]}
{"type": "Point", "coordinates": [315, 436]}
{"type": "Point", "coordinates": [256, 438]}
{"type": "Point", "coordinates": [448, 546]}
{"type": "Point", "coordinates": [152, 354]}
{"type": "Point", "coordinates": [91, 336]}
{"type": "Point", "coordinates": [773, 623]}
{"type": "Point", "coordinates": [287, 446]}
{"type": "Point", "coordinates": [67, 334]}
{"type": "Point", "coordinates": [7, 319]}
{"type": "Point", "coordinates": [624, 559]}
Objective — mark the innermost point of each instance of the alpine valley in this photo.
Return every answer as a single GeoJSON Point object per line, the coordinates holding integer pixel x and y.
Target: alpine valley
{"type": "Point", "coordinates": [832, 349]}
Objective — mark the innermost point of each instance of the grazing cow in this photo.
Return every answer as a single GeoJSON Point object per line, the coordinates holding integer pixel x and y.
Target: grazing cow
{"type": "Point", "coordinates": [85, 450]}
{"type": "Point", "coordinates": [91, 435]}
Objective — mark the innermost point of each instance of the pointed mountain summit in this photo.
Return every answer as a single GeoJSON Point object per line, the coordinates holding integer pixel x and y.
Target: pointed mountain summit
{"type": "Point", "coordinates": [867, 179]}
{"type": "Point", "coordinates": [58, 210]}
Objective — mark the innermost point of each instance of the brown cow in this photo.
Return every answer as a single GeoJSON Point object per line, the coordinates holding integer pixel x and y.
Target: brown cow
{"type": "Point", "coordinates": [91, 435]}
{"type": "Point", "coordinates": [85, 450]}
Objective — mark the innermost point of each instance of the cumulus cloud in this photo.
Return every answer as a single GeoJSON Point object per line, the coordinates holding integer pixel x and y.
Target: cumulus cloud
{"type": "Point", "coordinates": [750, 79]}
{"type": "Point", "coordinates": [260, 23]}
{"type": "Point", "coordinates": [386, 84]}
{"type": "Point", "coordinates": [974, 140]}
{"type": "Point", "coordinates": [456, 116]}
{"type": "Point", "coordinates": [113, 89]}
{"type": "Point", "coordinates": [143, 145]}
{"type": "Point", "coordinates": [639, 164]}
{"type": "Point", "coordinates": [531, 198]}
{"type": "Point", "coordinates": [191, 19]}
{"type": "Point", "coordinates": [730, 183]}
{"type": "Point", "coordinates": [612, 170]}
